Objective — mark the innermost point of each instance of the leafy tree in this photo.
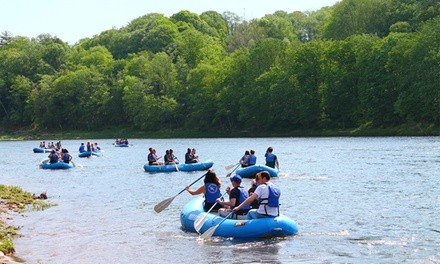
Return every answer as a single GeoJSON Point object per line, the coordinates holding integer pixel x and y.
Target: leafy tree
{"type": "Point", "coordinates": [195, 47]}
{"type": "Point", "coordinates": [339, 90]}
{"type": "Point", "coordinates": [352, 17]}
{"type": "Point", "coordinates": [75, 100]}
{"type": "Point", "coordinates": [21, 88]}
{"type": "Point", "coordinates": [218, 23]}
{"type": "Point", "coordinates": [418, 72]}
{"type": "Point", "coordinates": [149, 90]}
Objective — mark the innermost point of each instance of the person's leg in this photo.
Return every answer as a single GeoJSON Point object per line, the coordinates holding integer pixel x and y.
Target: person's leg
{"type": "Point", "coordinates": [252, 214]}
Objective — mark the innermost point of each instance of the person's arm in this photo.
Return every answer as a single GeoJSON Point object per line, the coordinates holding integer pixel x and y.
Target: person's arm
{"type": "Point", "coordinates": [200, 190]}
{"type": "Point", "coordinates": [232, 198]}
{"type": "Point", "coordinates": [249, 200]}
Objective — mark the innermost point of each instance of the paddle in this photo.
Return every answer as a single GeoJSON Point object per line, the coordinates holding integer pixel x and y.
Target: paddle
{"type": "Point", "coordinates": [231, 166]}
{"type": "Point", "coordinates": [229, 174]}
{"type": "Point", "coordinates": [76, 164]}
{"type": "Point", "coordinates": [175, 164]}
{"type": "Point", "coordinates": [201, 219]}
{"type": "Point", "coordinates": [208, 234]}
{"type": "Point", "coordinates": [165, 203]}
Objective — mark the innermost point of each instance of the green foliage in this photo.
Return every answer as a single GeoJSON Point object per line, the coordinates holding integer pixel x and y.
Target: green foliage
{"type": "Point", "coordinates": [6, 246]}
{"type": "Point", "coordinates": [362, 64]}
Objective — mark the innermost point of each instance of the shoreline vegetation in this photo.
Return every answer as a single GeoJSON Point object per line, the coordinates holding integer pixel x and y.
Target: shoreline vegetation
{"type": "Point", "coordinates": [14, 199]}
{"type": "Point", "coordinates": [416, 129]}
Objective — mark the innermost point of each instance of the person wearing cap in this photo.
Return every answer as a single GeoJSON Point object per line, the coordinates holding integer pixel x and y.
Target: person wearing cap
{"type": "Point", "coordinates": [268, 196]}
{"type": "Point", "coordinates": [237, 195]}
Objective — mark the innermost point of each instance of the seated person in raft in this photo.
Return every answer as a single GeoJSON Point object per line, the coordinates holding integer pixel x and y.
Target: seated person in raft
{"type": "Point", "coordinates": [237, 195]}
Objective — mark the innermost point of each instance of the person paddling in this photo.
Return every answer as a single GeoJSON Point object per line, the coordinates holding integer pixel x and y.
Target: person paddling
{"type": "Point", "coordinates": [211, 190]}
{"type": "Point", "coordinates": [267, 194]}
{"type": "Point", "coordinates": [237, 195]}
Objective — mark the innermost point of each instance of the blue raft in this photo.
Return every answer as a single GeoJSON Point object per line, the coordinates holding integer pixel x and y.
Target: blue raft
{"type": "Point", "coordinates": [41, 150]}
{"type": "Point", "coordinates": [122, 145]}
{"type": "Point", "coordinates": [89, 154]}
{"type": "Point", "coordinates": [279, 226]}
{"type": "Point", "coordinates": [249, 172]}
{"type": "Point", "coordinates": [182, 167]}
{"type": "Point", "coordinates": [56, 166]}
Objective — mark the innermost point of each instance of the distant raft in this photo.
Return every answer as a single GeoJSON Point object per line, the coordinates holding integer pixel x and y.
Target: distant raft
{"type": "Point", "coordinates": [267, 227]}
{"type": "Point", "coordinates": [57, 165]}
{"type": "Point", "coordinates": [249, 172]}
{"type": "Point", "coordinates": [41, 150]}
{"type": "Point", "coordinates": [122, 145]}
{"type": "Point", "coordinates": [89, 154]}
{"type": "Point", "coordinates": [181, 167]}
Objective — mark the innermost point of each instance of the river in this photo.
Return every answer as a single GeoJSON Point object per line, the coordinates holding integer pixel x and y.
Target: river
{"type": "Point", "coordinates": [355, 200]}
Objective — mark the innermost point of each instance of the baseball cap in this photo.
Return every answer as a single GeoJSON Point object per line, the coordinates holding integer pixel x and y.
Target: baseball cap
{"type": "Point", "coordinates": [236, 178]}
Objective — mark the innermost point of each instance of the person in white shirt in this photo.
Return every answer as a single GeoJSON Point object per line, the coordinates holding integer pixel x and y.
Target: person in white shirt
{"type": "Point", "coordinates": [268, 196]}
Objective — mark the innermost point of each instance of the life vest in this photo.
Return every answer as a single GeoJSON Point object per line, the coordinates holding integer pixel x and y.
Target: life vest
{"type": "Point", "coordinates": [151, 158]}
{"type": "Point", "coordinates": [273, 200]}
{"type": "Point", "coordinates": [53, 158]}
{"type": "Point", "coordinates": [270, 157]}
{"type": "Point", "coordinates": [67, 158]}
{"type": "Point", "coordinates": [212, 192]}
{"type": "Point", "coordinates": [243, 196]}
{"type": "Point", "coordinates": [252, 159]}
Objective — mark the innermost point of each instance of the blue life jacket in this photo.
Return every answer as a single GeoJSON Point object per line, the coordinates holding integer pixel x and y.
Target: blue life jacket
{"type": "Point", "coordinates": [212, 192]}
{"type": "Point", "coordinates": [270, 157]}
{"type": "Point", "coordinates": [243, 196]}
{"type": "Point", "coordinates": [252, 159]}
{"type": "Point", "coordinates": [82, 149]}
{"type": "Point", "coordinates": [53, 158]}
{"type": "Point", "coordinates": [67, 158]}
{"type": "Point", "coordinates": [274, 196]}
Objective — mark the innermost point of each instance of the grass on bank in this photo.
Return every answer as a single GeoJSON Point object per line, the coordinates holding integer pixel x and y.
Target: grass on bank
{"type": "Point", "coordinates": [365, 130]}
{"type": "Point", "coordinates": [13, 198]}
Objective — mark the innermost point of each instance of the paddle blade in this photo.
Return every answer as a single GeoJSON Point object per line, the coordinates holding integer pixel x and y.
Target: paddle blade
{"type": "Point", "coordinates": [76, 164]}
{"type": "Point", "coordinates": [208, 234]}
{"type": "Point", "coordinates": [230, 166]}
{"type": "Point", "coordinates": [229, 174]}
{"type": "Point", "coordinates": [164, 204]}
{"type": "Point", "coordinates": [201, 219]}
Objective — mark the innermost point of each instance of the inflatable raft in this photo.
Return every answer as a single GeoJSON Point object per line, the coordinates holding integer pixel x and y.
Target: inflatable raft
{"type": "Point", "coordinates": [89, 154]}
{"type": "Point", "coordinates": [122, 145]}
{"type": "Point", "coordinates": [41, 150]}
{"type": "Point", "coordinates": [56, 166]}
{"type": "Point", "coordinates": [253, 228]}
{"type": "Point", "coordinates": [181, 167]}
{"type": "Point", "coordinates": [249, 172]}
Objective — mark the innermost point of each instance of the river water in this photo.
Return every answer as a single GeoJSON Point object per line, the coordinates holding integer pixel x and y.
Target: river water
{"type": "Point", "coordinates": [355, 200]}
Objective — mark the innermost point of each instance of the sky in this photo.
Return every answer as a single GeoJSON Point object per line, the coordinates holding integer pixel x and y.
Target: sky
{"type": "Point", "coordinates": [77, 19]}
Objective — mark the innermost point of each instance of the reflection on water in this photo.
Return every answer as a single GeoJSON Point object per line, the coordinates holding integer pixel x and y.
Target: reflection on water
{"type": "Point", "coordinates": [356, 200]}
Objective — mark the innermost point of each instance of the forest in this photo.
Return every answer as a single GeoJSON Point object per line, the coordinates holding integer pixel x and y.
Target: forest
{"type": "Point", "coordinates": [356, 64]}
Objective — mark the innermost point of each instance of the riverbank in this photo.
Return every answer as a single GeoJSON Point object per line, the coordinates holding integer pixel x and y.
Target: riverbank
{"type": "Point", "coordinates": [416, 129]}
{"type": "Point", "coordinates": [14, 199]}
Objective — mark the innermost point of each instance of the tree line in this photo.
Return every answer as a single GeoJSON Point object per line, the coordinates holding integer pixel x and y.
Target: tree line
{"type": "Point", "coordinates": [359, 63]}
